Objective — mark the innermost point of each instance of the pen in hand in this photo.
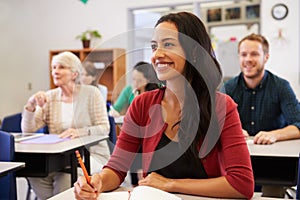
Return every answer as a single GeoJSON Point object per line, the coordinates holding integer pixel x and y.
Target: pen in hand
{"type": "Point", "coordinates": [86, 175]}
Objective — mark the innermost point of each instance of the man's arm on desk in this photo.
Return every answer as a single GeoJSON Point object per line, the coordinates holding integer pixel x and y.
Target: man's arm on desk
{"type": "Point", "coordinates": [269, 137]}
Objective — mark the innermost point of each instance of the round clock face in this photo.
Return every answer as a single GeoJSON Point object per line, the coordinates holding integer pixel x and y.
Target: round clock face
{"type": "Point", "coordinates": [279, 11]}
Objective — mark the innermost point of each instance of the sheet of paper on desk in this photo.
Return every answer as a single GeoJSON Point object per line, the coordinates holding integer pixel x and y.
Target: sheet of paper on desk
{"type": "Point", "coordinates": [45, 139]}
{"type": "Point", "coordinates": [139, 193]}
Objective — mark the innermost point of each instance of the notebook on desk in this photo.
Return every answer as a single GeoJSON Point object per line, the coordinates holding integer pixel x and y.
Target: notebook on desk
{"type": "Point", "coordinates": [45, 139]}
{"type": "Point", "coordinates": [26, 136]}
{"type": "Point", "coordinates": [138, 193]}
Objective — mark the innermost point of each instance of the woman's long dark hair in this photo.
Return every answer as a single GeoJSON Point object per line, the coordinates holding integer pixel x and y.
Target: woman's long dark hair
{"type": "Point", "coordinates": [203, 73]}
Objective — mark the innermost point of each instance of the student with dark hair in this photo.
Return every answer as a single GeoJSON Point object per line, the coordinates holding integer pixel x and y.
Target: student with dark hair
{"type": "Point", "coordinates": [143, 79]}
{"type": "Point", "coordinates": [191, 134]}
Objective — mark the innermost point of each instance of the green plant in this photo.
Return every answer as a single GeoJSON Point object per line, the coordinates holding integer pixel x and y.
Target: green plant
{"type": "Point", "coordinates": [88, 35]}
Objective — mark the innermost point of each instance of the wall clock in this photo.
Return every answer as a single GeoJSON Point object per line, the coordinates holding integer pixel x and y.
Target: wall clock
{"type": "Point", "coordinates": [279, 11]}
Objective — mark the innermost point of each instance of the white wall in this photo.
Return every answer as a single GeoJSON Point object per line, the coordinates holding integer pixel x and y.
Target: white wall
{"type": "Point", "coordinates": [284, 53]}
{"type": "Point", "coordinates": [30, 28]}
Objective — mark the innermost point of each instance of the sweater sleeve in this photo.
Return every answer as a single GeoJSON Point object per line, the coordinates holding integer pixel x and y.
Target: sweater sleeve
{"type": "Point", "coordinates": [235, 160]}
{"type": "Point", "coordinates": [32, 121]}
{"type": "Point", "coordinates": [129, 140]}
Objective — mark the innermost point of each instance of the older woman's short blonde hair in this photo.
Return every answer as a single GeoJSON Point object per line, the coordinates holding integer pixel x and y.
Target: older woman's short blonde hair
{"type": "Point", "coordinates": [68, 59]}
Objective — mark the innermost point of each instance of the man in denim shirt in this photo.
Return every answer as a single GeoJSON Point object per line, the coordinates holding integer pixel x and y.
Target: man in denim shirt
{"type": "Point", "coordinates": [268, 107]}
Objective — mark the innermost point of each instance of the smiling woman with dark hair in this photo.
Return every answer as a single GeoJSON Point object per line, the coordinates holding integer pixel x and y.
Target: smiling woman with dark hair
{"type": "Point", "coordinates": [191, 135]}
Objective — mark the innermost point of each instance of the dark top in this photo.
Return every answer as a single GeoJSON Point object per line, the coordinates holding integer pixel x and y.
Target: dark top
{"type": "Point", "coordinates": [271, 105]}
{"type": "Point", "coordinates": [185, 166]}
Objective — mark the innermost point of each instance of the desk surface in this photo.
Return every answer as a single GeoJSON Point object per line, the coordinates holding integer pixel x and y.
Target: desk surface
{"type": "Point", "coordinates": [58, 147]}
{"type": "Point", "coordinates": [7, 167]}
{"type": "Point", "coordinates": [69, 194]}
{"type": "Point", "coordinates": [42, 159]}
{"type": "Point", "coordinates": [289, 148]}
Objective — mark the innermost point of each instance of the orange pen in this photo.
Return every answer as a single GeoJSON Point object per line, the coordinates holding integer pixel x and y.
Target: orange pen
{"type": "Point", "coordinates": [86, 175]}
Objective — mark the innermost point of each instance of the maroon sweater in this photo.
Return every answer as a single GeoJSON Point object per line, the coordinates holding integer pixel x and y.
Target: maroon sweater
{"type": "Point", "coordinates": [228, 156]}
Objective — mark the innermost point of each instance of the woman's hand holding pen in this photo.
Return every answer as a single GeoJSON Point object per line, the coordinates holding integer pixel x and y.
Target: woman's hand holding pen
{"type": "Point", "coordinates": [83, 190]}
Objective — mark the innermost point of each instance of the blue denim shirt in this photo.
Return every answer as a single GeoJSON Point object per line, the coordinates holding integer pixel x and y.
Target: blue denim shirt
{"type": "Point", "coordinates": [271, 105]}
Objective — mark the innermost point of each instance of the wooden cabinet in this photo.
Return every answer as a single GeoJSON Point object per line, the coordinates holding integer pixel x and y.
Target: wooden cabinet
{"type": "Point", "coordinates": [112, 63]}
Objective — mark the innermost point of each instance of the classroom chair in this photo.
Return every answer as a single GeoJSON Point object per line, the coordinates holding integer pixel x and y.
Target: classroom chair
{"type": "Point", "coordinates": [7, 183]}
{"type": "Point", "coordinates": [112, 134]}
{"type": "Point", "coordinates": [12, 123]}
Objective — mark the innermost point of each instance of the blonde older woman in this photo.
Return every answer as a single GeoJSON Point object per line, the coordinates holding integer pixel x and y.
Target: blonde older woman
{"type": "Point", "coordinates": [70, 110]}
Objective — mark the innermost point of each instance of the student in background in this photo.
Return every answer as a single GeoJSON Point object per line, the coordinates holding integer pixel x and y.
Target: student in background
{"type": "Point", "coordinates": [190, 133]}
{"type": "Point", "coordinates": [70, 110]}
{"type": "Point", "coordinates": [143, 79]}
{"type": "Point", "coordinates": [90, 75]}
{"type": "Point", "coordinates": [268, 107]}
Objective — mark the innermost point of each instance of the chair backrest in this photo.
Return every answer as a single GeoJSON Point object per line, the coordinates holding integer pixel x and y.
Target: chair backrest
{"type": "Point", "coordinates": [112, 134]}
{"type": "Point", "coordinates": [12, 123]}
{"type": "Point", "coordinates": [7, 183]}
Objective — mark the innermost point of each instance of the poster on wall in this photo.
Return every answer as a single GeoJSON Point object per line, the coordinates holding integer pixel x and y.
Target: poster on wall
{"type": "Point", "coordinates": [252, 12]}
{"type": "Point", "coordinates": [214, 15]}
{"type": "Point", "coordinates": [233, 13]}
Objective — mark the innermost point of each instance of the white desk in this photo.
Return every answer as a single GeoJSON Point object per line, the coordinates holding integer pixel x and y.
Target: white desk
{"type": "Point", "coordinates": [275, 164]}
{"type": "Point", "coordinates": [41, 159]}
{"type": "Point", "coordinates": [289, 148]}
{"type": "Point", "coordinates": [60, 146]}
{"type": "Point", "coordinates": [69, 194]}
{"type": "Point", "coordinates": [7, 167]}
{"type": "Point", "coordinates": [278, 152]}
